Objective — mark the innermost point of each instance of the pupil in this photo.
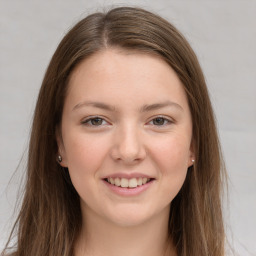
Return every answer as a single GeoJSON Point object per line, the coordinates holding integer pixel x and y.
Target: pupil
{"type": "Point", "coordinates": [159, 120]}
{"type": "Point", "coordinates": [96, 121]}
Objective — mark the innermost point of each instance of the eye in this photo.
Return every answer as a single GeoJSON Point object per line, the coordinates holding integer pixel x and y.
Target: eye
{"type": "Point", "coordinates": [161, 121]}
{"type": "Point", "coordinates": [95, 121]}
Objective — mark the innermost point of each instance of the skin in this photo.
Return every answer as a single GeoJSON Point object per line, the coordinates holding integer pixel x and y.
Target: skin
{"type": "Point", "coordinates": [125, 141]}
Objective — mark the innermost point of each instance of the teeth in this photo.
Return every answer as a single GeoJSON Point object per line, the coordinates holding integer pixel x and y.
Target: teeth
{"type": "Point", "coordinates": [133, 183]}
{"type": "Point", "coordinates": [124, 183]}
{"type": "Point", "coordinates": [128, 183]}
{"type": "Point", "coordinates": [117, 182]}
{"type": "Point", "coordinates": [144, 180]}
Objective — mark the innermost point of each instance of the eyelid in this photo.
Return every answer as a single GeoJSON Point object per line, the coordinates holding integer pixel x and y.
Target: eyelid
{"type": "Point", "coordinates": [88, 119]}
{"type": "Point", "coordinates": [169, 120]}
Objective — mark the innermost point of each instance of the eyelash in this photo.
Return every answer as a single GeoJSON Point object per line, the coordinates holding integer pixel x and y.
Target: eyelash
{"type": "Point", "coordinates": [86, 121]}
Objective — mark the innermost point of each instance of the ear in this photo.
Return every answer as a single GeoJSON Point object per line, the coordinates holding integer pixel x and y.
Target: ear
{"type": "Point", "coordinates": [191, 158]}
{"type": "Point", "coordinates": [61, 149]}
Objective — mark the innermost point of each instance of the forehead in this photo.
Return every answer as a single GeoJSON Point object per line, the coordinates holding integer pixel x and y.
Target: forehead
{"type": "Point", "coordinates": [125, 77]}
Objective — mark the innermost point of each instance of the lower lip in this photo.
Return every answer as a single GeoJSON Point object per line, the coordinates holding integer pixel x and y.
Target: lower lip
{"type": "Point", "coordinates": [128, 191]}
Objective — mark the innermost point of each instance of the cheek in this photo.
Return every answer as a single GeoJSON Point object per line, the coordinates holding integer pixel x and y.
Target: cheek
{"type": "Point", "coordinates": [171, 157]}
{"type": "Point", "coordinates": [84, 154]}
{"type": "Point", "coordinates": [173, 151]}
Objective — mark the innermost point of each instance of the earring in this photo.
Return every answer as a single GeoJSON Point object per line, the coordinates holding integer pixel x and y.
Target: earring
{"type": "Point", "coordinates": [59, 158]}
{"type": "Point", "coordinates": [193, 160]}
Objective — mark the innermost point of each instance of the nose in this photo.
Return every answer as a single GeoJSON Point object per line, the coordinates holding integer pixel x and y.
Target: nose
{"type": "Point", "coordinates": [128, 146]}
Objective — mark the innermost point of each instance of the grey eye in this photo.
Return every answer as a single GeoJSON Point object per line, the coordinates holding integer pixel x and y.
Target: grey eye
{"type": "Point", "coordinates": [96, 121]}
{"type": "Point", "coordinates": [159, 121]}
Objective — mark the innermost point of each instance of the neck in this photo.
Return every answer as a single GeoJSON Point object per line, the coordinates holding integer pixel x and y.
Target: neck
{"type": "Point", "coordinates": [100, 237]}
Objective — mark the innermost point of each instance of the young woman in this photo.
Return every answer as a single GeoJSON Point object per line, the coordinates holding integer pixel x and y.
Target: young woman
{"type": "Point", "coordinates": [124, 157]}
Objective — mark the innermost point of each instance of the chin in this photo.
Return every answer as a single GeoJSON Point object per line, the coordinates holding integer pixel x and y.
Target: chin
{"type": "Point", "coordinates": [132, 216]}
{"type": "Point", "coordinates": [128, 221]}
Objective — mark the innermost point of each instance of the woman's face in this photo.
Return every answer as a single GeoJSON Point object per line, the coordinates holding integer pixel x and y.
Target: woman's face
{"type": "Point", "coordinates": [126, 121]}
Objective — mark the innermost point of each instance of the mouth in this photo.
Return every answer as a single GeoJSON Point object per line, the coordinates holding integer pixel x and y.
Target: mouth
{"type": "Point", "coordinates": [128, 183]}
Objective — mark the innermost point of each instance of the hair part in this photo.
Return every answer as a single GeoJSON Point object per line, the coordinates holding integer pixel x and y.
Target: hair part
{"type": "Point", "coordinates": [50, 215]}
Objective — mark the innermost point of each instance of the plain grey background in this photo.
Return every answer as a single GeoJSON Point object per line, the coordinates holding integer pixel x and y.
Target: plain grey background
{"type": "Point", "coordinates": [222, 33]}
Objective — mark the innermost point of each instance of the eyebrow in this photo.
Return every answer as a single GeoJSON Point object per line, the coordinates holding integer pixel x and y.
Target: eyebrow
{"type": "Point", "coordinates": [145, 108]}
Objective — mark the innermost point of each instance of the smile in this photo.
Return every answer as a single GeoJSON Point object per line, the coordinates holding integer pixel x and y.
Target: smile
{"type": "Point", "coordinates": [128, 183]}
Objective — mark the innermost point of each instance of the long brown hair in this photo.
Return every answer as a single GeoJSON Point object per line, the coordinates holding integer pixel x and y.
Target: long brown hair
{"type": "Point", "coordinates": [50, 216]}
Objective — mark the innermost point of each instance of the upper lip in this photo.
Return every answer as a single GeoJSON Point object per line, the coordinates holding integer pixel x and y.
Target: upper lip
{"type": "Point", "coordinates": [127, 175]}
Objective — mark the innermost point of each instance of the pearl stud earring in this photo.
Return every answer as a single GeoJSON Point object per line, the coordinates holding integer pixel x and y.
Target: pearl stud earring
{"type": "Point", "coordinates": [59, 158]}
